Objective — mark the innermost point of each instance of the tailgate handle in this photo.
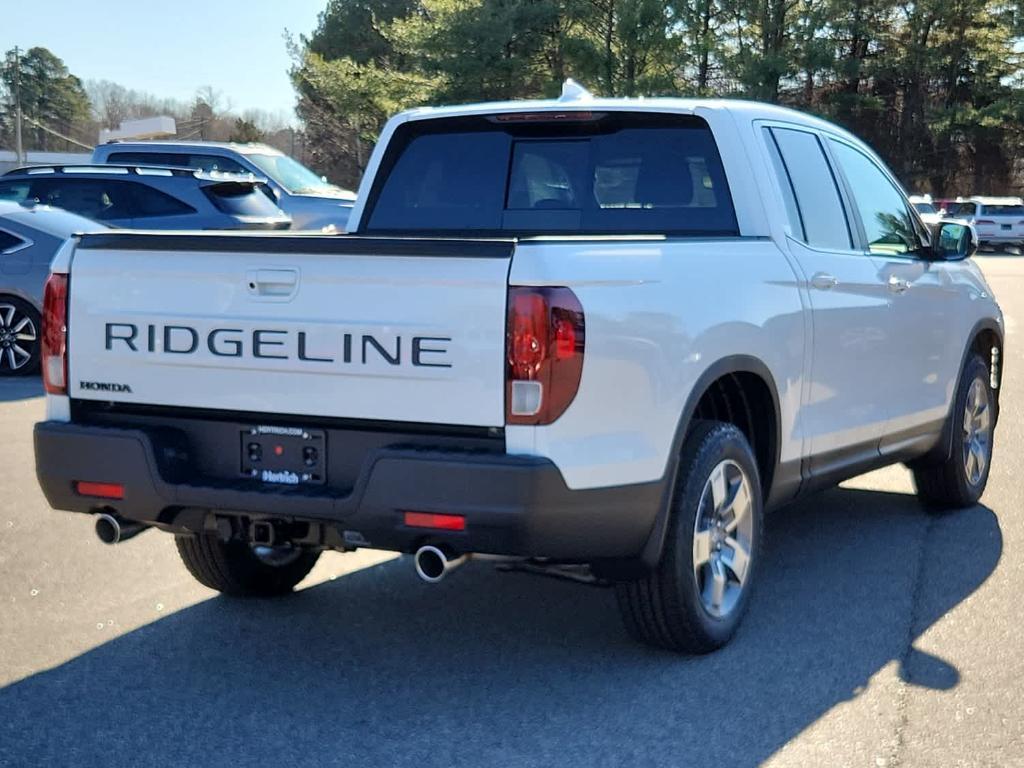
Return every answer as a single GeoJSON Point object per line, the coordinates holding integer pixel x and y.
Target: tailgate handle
{"type": "Point", "coordinates": [273, 282]}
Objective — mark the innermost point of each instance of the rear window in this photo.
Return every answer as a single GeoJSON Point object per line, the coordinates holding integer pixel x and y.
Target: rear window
{"type": "Point", "coordinates": [612, 173]}
{"type": "Point", "coordinates": [241, 200]}
{"type": "Point", "coordinates": [1004, 210]}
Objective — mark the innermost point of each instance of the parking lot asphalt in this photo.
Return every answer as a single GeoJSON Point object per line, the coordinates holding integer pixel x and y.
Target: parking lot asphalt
{"type": "Point", "coordinates": [878, 636]}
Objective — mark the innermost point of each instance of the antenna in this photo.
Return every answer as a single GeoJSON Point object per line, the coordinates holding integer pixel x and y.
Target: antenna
{"type": "Point", "coordinates": [573, 91]}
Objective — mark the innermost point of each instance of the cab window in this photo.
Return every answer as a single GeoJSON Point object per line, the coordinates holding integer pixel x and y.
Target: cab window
{"type": "Point", "coordinates": [884, 211]}
{"type": "Point", "coordinates": [804, 168]}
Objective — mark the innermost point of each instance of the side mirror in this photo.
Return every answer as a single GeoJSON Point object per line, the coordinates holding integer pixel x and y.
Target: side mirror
{"type": "Point", "coordinates": [954, 241]}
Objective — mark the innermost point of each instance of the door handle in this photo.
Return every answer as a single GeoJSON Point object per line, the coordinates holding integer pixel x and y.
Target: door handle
{"type": "Point", "coordinates": [280, 283]}
{"type": "Point", "coordinates": [823, 281]}
{"type": "Point", "coordinates": [898, 285]}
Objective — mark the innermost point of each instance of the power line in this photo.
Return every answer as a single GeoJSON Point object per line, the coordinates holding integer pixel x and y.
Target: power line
{"type": "Point", "coordinates": [52, 132]}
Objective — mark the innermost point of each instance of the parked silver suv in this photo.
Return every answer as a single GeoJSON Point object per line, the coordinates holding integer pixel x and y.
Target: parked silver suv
{"type": "Point", "coordinates": [29, 238]}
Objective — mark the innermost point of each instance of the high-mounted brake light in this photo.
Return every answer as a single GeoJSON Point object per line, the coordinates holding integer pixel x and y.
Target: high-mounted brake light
{"type": "Point", "coordinates": [574, 115]}
{"type": "Point", "coordinates": [55, 334]}
{"type": "Point", "coordinates": [544, 352]}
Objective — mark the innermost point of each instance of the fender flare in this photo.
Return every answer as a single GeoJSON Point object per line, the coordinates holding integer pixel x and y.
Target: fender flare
{"type": "Point", "coordinates": [944, 448]}
{"type": "Point", "coordinates": [651, 553]}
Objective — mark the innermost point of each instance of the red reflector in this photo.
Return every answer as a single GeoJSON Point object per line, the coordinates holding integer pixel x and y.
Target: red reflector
{"type": "Point", "coordinates": [439, 522]}
{"type": "Point", "coordinates": [100, 490]}
{"type": "Point", "coordinates": [55, 332]}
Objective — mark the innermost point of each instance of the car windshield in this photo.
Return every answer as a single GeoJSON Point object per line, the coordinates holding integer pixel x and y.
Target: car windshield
{"type": "Point", "coordinates": [924, 207]}
{"type": "Point", "coordinates": [292, 175]}
{"type": "Point", "coordinates": [1005, 210]}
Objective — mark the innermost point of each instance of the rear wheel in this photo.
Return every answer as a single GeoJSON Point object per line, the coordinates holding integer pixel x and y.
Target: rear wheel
{"type": "Point", "coordinates": [235, 568]}
{"type": "Point", "coordinates": [20, 334]}
{"type": "Point", "coordinates": [695, 598]}
{"type": "Point", "coordinates": [960, 479]}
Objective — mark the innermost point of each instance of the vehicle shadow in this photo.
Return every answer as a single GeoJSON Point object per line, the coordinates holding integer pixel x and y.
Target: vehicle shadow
{"type": "Point", "coordinates": [20, 388]}
{"type": "Point", "coordinates": [375, 668]}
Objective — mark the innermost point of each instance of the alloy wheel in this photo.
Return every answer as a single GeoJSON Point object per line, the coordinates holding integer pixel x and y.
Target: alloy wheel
{"type": "Point", "coordinates": [977, 437]}
{"type": "Point", "coordinates": [722, 538]}
{"type": "Point", "coordinates": [18, 338]}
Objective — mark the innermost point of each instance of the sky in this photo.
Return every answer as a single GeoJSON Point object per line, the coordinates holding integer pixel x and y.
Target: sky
{"type": "Point", "coordinates": [170, 49]}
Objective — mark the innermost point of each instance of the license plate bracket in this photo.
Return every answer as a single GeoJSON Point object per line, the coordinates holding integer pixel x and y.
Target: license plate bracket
{"type": "Point", "coordinates": [283, 455]}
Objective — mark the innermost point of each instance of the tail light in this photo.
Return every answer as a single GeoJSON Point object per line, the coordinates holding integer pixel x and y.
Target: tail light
{"type": "Point", "coordinates": [544, 354]}
{"type": "Point", "coordinates": [984, 221]}
{"type": "Point", "coordinates": [55, 334]}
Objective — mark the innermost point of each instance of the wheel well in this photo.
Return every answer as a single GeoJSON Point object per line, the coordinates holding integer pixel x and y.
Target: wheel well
{"type": "Point", "coordinates": [745, 400]}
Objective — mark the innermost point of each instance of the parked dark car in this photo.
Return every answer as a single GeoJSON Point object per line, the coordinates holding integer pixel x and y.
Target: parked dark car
{"type": "Point", "coordinates": [149, 198]}
{"type": "Point", "coordinates": [29, 238]}
{"type": "Point", "coordinates": [311, 201]}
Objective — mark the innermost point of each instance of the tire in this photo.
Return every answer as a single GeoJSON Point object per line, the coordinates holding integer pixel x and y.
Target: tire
{"type": "Point", "coordinates": [674, 607]}
{"type": "Point", "coordinates": [235, 568]}
{"type": "Point", "coordinates": [20, 337]}
{"type": "Point", "coordinates": [959, 480]}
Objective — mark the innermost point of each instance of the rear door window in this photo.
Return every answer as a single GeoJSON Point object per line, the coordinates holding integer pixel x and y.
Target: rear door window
{"type": "Point", "coordinates": [814, 187]}
{"type": "Point", "coordinates": [172, 159]}
{"type": "Point", "coordinates": [178, 160]}
{"type": "Point", "coordinates": [97, 199]}
{"type": "Point", "coordinates": [149, 202]}
{"type": "Point", "coordinates": [615, 173]}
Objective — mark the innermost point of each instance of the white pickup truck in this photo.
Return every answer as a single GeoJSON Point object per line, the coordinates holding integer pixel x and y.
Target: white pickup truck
{"type": "Point", "coordinates": [599, 337]}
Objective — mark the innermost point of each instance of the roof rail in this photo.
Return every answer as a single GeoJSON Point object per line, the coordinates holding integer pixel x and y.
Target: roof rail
{"type": "Point", "coordinates": [135, 170]}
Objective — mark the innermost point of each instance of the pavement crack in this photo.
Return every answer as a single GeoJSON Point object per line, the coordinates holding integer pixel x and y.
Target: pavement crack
{"type": "Point", "coordinates": [903, 691]}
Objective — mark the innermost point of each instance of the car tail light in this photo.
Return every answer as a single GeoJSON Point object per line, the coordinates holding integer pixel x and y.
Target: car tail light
{"type": "Point", "coordinates": [984, 221]}
{"type": "Point", "coordinates": [55, 334]}
{"type": "Point", "coordinates": [544, 354]}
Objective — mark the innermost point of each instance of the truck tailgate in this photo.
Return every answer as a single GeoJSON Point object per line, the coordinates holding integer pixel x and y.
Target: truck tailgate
{"type": "Point", "coordinates": [347, 327]}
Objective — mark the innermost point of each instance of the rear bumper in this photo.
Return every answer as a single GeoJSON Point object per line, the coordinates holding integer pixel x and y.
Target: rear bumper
{"type": "Point", "coordinates": [513, 505]}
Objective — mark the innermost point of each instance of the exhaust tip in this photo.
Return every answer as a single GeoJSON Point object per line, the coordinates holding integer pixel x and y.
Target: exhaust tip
{"type": "Point", "coordinates": [431, 564]}
{"type": "Point", "coordinates": [108, 529]}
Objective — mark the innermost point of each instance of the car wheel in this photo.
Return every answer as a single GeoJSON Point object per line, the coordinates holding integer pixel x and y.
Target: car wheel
{"type": "Point", "coordinates": [959, 480]}
{"type": "Point", "coordinates": [695, 598]}
{"type": "Point", "coordinates": [20, 337]}
{"type": "Point", "coordinates": [235, 568]}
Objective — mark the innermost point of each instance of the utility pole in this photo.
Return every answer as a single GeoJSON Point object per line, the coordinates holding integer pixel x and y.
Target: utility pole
{"type": "Point", "coordinates": [18, 149]}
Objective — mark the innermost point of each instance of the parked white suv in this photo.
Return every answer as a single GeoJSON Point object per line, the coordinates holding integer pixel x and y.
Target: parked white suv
{"type": "Point", "coordinates": [998, 220]}
{"type": "Point", "coordinates": [600, 336]}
